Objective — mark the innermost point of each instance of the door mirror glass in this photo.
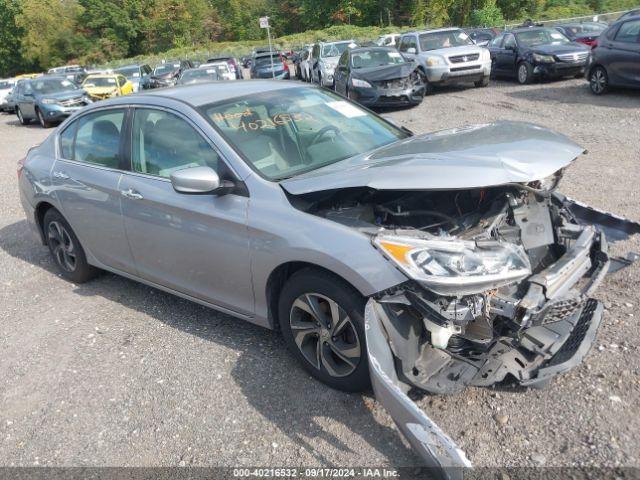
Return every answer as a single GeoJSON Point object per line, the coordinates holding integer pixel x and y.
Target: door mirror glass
{"type": "Point", "coordinates": [195, 180]}
{"type": "Point", "coordinates": [411, 50]}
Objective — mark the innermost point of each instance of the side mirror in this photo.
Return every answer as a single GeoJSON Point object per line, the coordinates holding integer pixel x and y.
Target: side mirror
{"type": "Point", "coordinates": [198, 180]}
{"type": "Point", "coordinates": [28, 94]}
{"type": "Point", "coordinates": [510, 47]}
{"type": "Point", "coordinates": [411, 50]}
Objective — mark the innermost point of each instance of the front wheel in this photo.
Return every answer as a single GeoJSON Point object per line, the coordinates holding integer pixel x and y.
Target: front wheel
{"type": "Point", "coordinates": [65, 248]}
{"type": "Point", "coordinates": [484, 82]}
{"type": "Point", "coordinates": [322, 322]}
{"type": "Point", "coordinates": [525, 73]}
{"type": "Point", "coordinates": [43, 122]}
{"type": "Point", "coordinates": [598, 81]}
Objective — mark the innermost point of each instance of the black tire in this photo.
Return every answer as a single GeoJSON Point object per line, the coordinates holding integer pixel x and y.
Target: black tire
{"type": "Point", "coordinates": [428, 87]}
{"type": "Point", "coordinates": [21, 119]}
{"type": "Point", "coordinates": [598, 80]}
{"type": "Point", "coordinates": [348, 372]}
{"type": "Point", "coordinates": [66, 249]}
{"type": "Point", "coordinates": [484, 82]}
{"type": "Point", "coordinates": [41, 120]}
{"type": "Point", "coordinates": [524, 73]}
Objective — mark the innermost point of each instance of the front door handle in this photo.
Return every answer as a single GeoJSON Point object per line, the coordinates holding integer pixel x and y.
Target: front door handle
{"type": "Point", "coordinates": [132, 194]}
{"type": "Point", "coordinates": [60, 175]}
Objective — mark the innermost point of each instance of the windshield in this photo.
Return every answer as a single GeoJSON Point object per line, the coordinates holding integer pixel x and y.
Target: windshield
{"type": "Point", "coordinates": [52, 85]}
{"type": "Point", "coordinates": [100, 82]}
{"type": "Point", "coordinates": [446, 39]}
{"type": "Point", "coordinates": [375, 58]}
{"type": "Point", "coordinates": [285, 133]}
{"type": "Point", "coordinates": [210, 73]}
{"type": "Point", "coordinates": [541, 36]}
{"type": "Point", "coordinates": [167, 68]}
{"type": "Point", "coordinates": [334, 49]}
{"type": "Point", "coordinates": [129, 72]}
{"type": "Point", "coordinates": [5, 85]}
{"type": "Point", "coordinates": [263, 61]}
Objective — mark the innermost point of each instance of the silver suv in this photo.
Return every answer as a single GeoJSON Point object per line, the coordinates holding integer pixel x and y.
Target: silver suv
{"type": "Point", "coordinates": [447, 56]}
{"type": "Point", "coordinates": [324, 58]}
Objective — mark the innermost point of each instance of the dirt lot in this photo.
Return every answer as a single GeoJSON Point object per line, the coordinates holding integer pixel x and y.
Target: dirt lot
{"type": "Point", "coordinates": [116, 373]}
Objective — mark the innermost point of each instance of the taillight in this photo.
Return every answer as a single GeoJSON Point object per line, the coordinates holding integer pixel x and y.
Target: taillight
{"type": "Point", "coordinates": [21, 166]}
{"type": "Point", "coordinates": [594, 44]}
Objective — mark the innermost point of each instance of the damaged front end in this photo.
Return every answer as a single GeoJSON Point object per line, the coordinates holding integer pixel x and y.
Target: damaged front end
{"type": "Point", "coordinates": [499, 265]}
{"type": "Point", "coordinates": [498, 288]}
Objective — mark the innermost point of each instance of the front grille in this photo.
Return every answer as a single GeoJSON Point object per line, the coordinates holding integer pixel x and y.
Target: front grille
{"type": "Point", "coordinates": [462, 69]}
{"type": "Point", "coordinates": [557, 311]}
{"type": "Point", "coordinates": [472, 57]}
{"type": "Point", "coordinates": [573, 57]}
{"type": "Point", "coordinates": [395, 83]}
{"type": "Point", "coordinates": [571, 345]}
{"type": "Point", "coordinates": [73, 102]}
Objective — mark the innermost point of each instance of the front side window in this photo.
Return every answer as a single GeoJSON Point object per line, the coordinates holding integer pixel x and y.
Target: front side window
{"type": "Point", "coordinates": [97, 140]}
{"type": "Point", "coordinates": [446, 39]}
{"type": "Point", "coordinates": [66, 141]}
{"type": "Point", "coordinates": [164, 143]}
{"type": "Point", "coordinates": [509, 41]}
{"type": "Point", "coordinates": [285, 133]}
{"type": "Point", "coordinates": [629, 32]}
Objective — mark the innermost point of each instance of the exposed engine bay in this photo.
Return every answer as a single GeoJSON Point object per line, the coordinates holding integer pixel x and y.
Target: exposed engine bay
{"type": "Point", "coordinates": [499, 284]}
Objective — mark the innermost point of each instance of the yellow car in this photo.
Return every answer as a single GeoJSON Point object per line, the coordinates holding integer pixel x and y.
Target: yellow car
{"type": "Point", "coordinates": [101, 86]}
{"type": "Point", "coordinates": [29, 75]}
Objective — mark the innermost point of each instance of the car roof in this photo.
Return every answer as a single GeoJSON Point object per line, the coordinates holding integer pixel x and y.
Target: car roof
{"type": "Point", "coordinates": [436, 30]}
{"type": "Point", "coordinates": [373, 47]}
{"type": "Point", "coordinates": [103, 75]}
{"type": "Point", "coordinates": [198, 95]}
{"type": "Point", "coordinates": [527, 29]}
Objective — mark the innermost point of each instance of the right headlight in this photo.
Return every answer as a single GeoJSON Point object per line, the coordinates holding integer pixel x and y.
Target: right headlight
{"type": "Point", "coordinates": [356, 82]}
{"type": "Point", "coordinates": [434, 60]}
{"type": "Point", "coordinates": [456, 267]}
{"type": "Point", "coordinates": [538, 57]}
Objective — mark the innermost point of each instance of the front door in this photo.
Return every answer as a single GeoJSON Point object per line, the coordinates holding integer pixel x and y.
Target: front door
{"type": "Point", "coordinates": [624, 56]}
{"type": "Point", "coordinates": [194, 244]}
{"type": "Point", "coordinates": [86, 179]}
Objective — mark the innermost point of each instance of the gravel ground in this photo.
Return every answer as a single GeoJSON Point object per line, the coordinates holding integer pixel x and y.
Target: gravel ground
{"type": "Point", "coordinates": [116, 373]}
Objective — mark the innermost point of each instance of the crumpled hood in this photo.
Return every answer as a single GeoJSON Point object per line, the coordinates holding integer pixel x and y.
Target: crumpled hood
{"type": "Point", "coordinates": [560, 49]}
{"type": "Point", "coordinates": [101, 90]}
{"type": "Point", "coordinates": [385, 72]}
{"type": "Point", "coordinates": [453, 51]}
{"type": "Point", "coordinates": [470, 157]}
{"type": "Point", "coordinates": [64, 95]}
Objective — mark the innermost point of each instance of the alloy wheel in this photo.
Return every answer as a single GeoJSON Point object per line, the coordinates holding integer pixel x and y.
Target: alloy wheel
{"type": "Point", "coordinates": [20, 118]}
{"type": "Point", "coordinates": [62, 246]}
{"type": "Point", "coordinates": [598, 81]}
{"type": "Point", "coordinates": [325, 335]}
{"type": "Point", "coordinates": [522, 73]}
{"type": "Point", "coordinates": [41, 119]}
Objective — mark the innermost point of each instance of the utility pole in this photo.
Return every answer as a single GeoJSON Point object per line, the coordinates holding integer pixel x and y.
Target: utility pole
{"type": "Point", "coordinates": [264, 23]}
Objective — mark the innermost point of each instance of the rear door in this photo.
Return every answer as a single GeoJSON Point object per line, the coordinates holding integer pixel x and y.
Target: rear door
{"type": "Point", "coordinates": [624, 54]}
{"type": "Point", "coordinates": [507, 55]}
{"type": "Point", "coordinates": [86, 177]}
{"type": "Point", "coordinates": [194, 244]}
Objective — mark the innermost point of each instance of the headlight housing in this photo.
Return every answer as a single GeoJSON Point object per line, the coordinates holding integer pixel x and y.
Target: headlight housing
{"type": "Point", "coordinates": [432, 61]}
{"type": "Point", "coordinates": [485, 54]}
{"type": "Point", "coordinates": [538, 57]}
{"type": "Point", "coordinates": [456, 267]}
{"type": "Point", "coordinates": [357, 82]}
{"type": "Point", "coordinates": [49, 101]}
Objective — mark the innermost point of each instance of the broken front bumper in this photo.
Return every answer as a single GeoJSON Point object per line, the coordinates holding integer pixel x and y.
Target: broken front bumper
{"type": "Point", "coordinates": [559, 324]}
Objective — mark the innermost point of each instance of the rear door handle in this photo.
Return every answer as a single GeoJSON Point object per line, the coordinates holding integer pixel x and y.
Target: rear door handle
{"type": "Point", "coordinates": [60, 175]}
{"type": "Point", "coordinates": [132, 194]}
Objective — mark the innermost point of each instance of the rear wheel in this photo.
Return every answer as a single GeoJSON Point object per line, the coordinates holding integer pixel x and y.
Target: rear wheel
{"type": "Point", "coordinates": [525, 73]}
{"type": "Point", "coordinates": [598, 80]}
{"type": "Point", "coordinates": [21, 119]}
{"type": "Point", "coordinates": [65, 248]}
{"type": "Point", "coordinates": [321, 319]}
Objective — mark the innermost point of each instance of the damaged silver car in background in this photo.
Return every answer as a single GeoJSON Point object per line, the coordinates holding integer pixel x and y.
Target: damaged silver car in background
{"type": "Point", "coordinates": [403, 261]}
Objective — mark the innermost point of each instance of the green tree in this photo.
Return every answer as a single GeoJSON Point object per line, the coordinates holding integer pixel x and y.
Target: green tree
{"type": "Point", "coordinates": [489, 15]}
{"type": "Point", "coordinates": [10, 38]}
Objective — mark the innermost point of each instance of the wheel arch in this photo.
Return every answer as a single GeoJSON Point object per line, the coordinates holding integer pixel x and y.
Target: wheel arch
{"type": "Point", "coordinates": [279, 276]}
{"type": "Point", "coordinates": [41, 209]}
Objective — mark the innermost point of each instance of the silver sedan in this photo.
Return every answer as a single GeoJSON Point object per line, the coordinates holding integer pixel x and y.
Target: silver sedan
{"type": "Point", "coordinates": [433, 261]}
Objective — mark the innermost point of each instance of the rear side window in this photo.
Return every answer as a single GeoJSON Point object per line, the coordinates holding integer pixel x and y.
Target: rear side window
{"type": "Point", "coordinates": [629, 32]}
{"type": "Point", "coordinates": [98, 138]}
{"type": "Point", "coordinates": [164, 143]}
{"type": "Point", "coordinates": [66, 141]}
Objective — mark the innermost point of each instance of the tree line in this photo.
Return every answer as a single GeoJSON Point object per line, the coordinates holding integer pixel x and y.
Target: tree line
{"type": "Point", "coordinates": [38, 34]}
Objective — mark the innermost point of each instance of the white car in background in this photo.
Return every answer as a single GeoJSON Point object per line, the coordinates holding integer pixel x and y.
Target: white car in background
{"type": "Point", "coordinates": [388, 40]}
{"type": "Point", "coordinates": [305, 63]}
{"type": "Point", "coordinates": [6, 85]}
{"type": "Point", "coordinates": [222, 68]}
